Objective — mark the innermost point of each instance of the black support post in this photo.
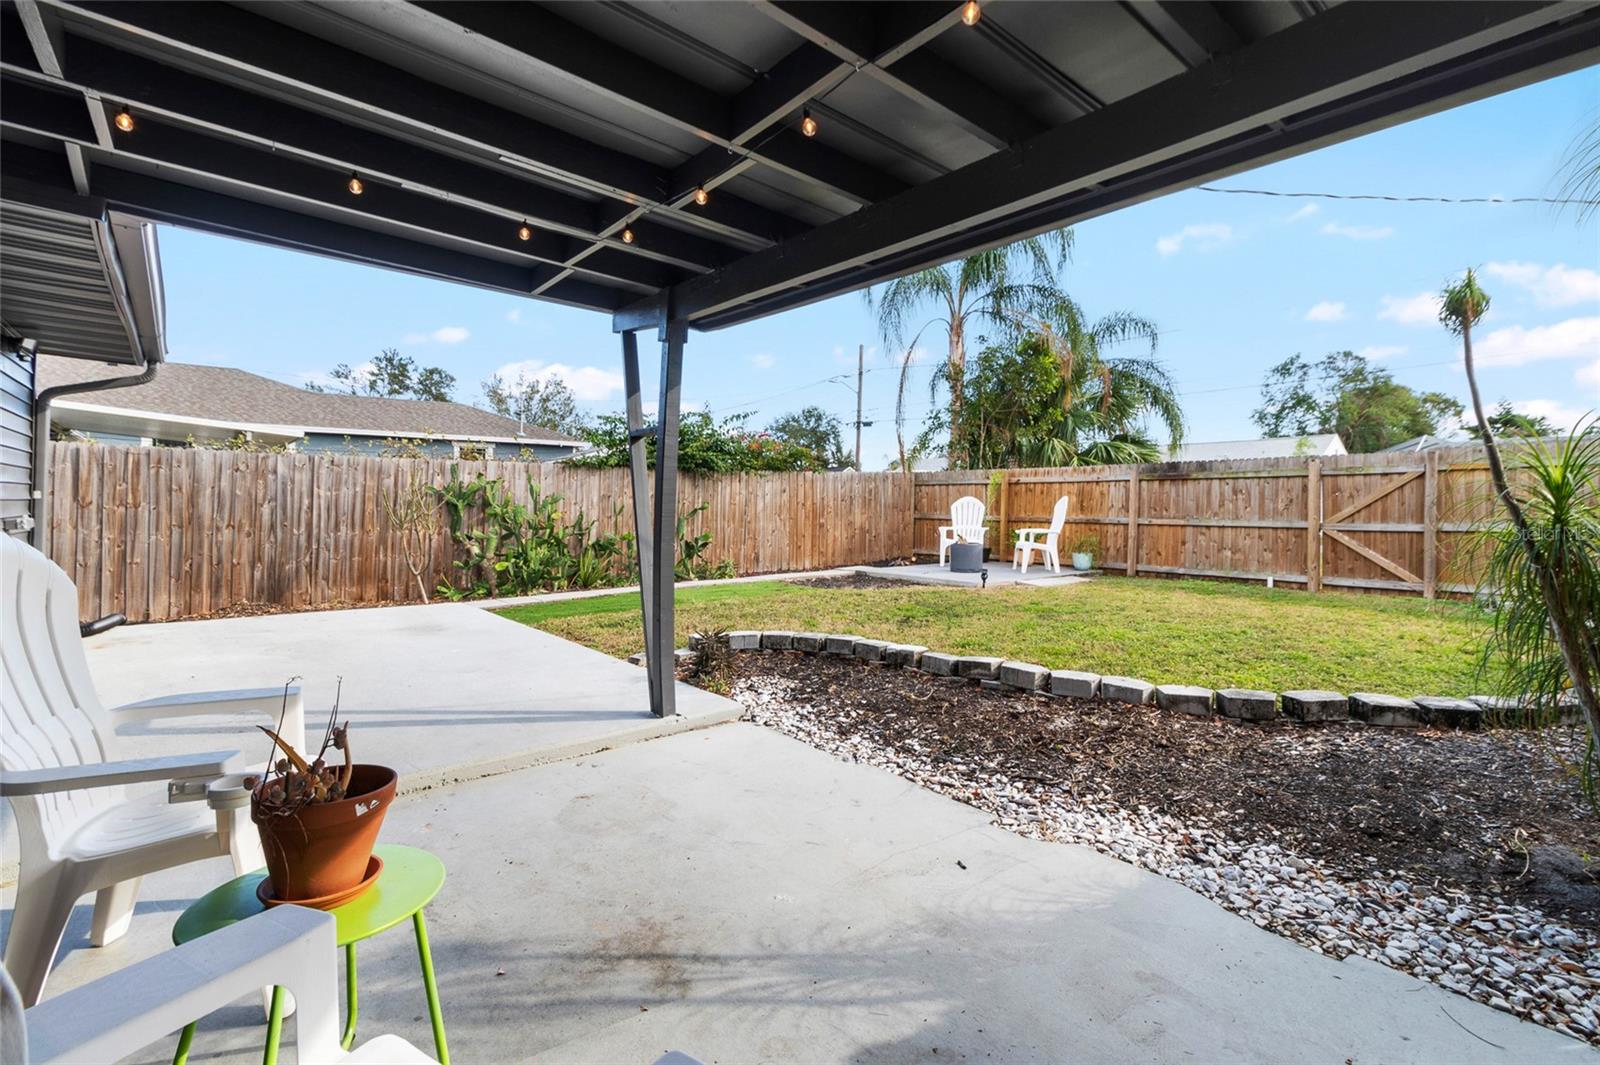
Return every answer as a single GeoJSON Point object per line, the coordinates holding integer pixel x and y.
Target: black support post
{"type": "Point", "coordinates": [655, 519]}
{"type": "Point", "coordinates": [665, 532]}
{"type": "Point", "coordinates": [640, 483]}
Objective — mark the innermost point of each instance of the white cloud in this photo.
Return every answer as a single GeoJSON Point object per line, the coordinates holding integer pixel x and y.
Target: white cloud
{"type": "Point", "coordinates": [1514, 345]}
{"type": "Point", "coordinates": [1421, 309]}
{"type": "Point", "coordinates": [1554, 411]}
{"type": "Point", "coordinates": [1304, 212]}
{"type": "Point", "coordinates": [514, 315]}
{"type": "Point", "coordinates": [588, 383]}
{"type": "Point", "coordinates": [1205, 236]}
{"type": "Point", "coordinates": [1339, 229]}
{"type": "Point", "coordinates": [1551, 286]}
{"type": "Point", "coordinates": [763, 361]}
{"type": "Point", "coordinates": [1589, 375]}
{"type": "Point", "coordinates": [1379, 352]}
{"type": "Point", "coordinates": [445, 334]}
{"type": "Point", "coordinates": [1326, 311]}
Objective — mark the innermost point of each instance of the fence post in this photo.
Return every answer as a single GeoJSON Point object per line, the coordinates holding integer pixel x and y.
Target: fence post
{"type": "Point", "coordinates": [1133, 523]}
{"type": "Point", "coordinates": [1314, 525]}
{"type": "Point", "coordinates": [1430, 525]}
{"type": "Point", "coordinates": [1001, 542]}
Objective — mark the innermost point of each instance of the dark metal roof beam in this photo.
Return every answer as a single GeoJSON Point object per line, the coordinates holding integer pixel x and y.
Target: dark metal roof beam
{"type": "Point", "coordinates": [46, 41]}
{"type": "Point", "coordinates": [1189, 29]}
{"type": "Point", "coordinates": [882, 42]}
{"type": "Point", "coordinates": [27, 106]}
{"type": "Point", "coordinates": [1336, 62]}
{"type": "Point", "coordinates": [1019, 52]}
{"type": "Point", "coordinates": [162, 201]}
{"type": "Point", "coordinates": [594, 63]}
{"type": "Point", "coordinates": [260, 49]}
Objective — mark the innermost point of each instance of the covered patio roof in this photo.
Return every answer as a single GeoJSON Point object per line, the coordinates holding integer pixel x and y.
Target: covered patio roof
{"type": "Point", "coordinates": [595, 125]}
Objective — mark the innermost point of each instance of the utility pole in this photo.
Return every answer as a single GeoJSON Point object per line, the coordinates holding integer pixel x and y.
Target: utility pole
{"type": "Point", "coordinates": [861, 358]}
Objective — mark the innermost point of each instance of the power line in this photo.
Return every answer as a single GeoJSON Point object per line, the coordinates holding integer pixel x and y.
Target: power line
{"type": "Point", "coordinates": [1398, 199]}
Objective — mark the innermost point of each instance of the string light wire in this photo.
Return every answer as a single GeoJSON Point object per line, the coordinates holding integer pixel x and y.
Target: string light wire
{"type": "Point", "coordinates": [1385, 198]}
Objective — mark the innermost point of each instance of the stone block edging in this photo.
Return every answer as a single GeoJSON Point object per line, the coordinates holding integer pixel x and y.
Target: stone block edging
{"type": "Point", "coordinates": [1239, 704]}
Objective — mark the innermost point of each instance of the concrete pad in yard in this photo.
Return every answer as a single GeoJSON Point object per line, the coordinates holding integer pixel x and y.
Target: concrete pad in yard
{"type": "Point", "coordinates": [742, 897]}
{"type": "Point", "coordinates": [441, 693]}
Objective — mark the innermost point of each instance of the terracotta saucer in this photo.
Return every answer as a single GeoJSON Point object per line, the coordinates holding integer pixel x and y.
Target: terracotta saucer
{"type": "Point", "coordinates": [326, 902]}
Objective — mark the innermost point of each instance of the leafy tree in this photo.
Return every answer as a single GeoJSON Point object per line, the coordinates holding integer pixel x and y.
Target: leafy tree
{"type": "Point", "coordinates": [1049, 397]}
{"type": "Point", "coordinates": [704, 446]}
{"type": "Point", "coordinates": [1544, 564]}
{"type": "Point", "coordinates": [547, 403]}
{"type": "Point", "coordinates": [1507, 422]}
{"type": "Point", "coordinates": [994, 287]}
{"type": "Point", "coordinates": [1343, 393]}
{"type": "Point", "coordinates": [391, 374]}
{"type": "Point", "coordinates": [818, 432]}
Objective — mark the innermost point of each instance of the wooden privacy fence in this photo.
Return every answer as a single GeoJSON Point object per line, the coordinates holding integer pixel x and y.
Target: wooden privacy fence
{"type": "Point", "coordinates": [160, 533]}
{"type": "Point", "coordinates": [1388, 522]}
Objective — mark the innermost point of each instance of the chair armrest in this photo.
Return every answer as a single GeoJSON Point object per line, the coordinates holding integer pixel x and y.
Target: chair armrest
{"type": "Point", "coordinates": [267, 701]}
{"type": "Point", "coordinates": [110, 774]}
{"type": "Point", "coordinates": [112, 1017]}
{"type": "Point", "coordinates": [1031, 532]}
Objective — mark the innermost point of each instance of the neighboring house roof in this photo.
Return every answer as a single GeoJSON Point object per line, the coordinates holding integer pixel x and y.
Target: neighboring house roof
{"type": "Point", "coordinates": [222, 396]}
{"type": "Point", "coordinates": [1274, 447]}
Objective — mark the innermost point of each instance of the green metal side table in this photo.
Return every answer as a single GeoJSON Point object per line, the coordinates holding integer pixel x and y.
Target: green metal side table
{"type": "Point", "coordinates": [409, 881]}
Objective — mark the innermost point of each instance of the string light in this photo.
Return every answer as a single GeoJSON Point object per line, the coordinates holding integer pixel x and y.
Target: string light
{"type": "Point", "coordinates": [627, 236]}
{"type": "Point", "coordinates": [524, 232]}
{"type": "Point", "coordinates": [970, 12]}
{"type": "Point", "coordinates": [808, 125]}
{"type": "Point", "coordinates": [701, 196]}
{"type": "Point", "coordinates": [354, 184]}
{"type": "Point", "coordinates": [124, 120]}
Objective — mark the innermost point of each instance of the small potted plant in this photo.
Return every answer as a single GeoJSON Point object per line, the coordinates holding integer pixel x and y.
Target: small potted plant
{"type": "Point", "coordinates": [1084, 548]}
{"type": "Point", "coordinates": [319, 821]}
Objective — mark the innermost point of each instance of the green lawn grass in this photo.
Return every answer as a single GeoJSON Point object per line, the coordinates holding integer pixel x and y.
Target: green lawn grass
{"type": "Point", "coordinates": [1196, 632]}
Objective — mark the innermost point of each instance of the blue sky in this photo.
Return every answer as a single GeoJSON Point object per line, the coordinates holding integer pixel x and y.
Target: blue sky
{"type": "Point", "coordinates": [1235, 283]}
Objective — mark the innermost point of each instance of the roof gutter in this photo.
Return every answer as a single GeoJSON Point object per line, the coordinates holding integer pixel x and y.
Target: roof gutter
{"type": "Point", "coordinates": [41, 438]}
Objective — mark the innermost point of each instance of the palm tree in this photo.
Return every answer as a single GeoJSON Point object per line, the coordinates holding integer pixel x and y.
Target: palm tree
{"type": "Point", "coordinates": [992, 286]}
{"type": "Point", "coordinates": [1094, 408]}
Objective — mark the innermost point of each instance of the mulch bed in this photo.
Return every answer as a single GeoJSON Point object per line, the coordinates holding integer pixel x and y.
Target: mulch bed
{"type": "Point", "coordinates": [1497, 813]}
{"type": "Point", "coordinates": [853, 580]}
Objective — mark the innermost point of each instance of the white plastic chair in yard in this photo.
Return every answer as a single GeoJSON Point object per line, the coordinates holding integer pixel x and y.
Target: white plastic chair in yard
{"type": "Point", "coordinates": [966, 526]}
{"type": "Point", "coordinates": [1045, 542]}
{"type": "Point", "coordinates": [116, 1015]}
{"type": "Point", "coordinates": [77, 831]}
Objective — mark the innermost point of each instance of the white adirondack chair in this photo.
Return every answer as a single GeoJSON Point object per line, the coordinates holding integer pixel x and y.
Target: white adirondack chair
{"type": "Point", "coordinates": [117, 1015]}
{"type": "Point", "coordinates": [966, 526]}
{"type": "Point", "coordinates": [1044, 542]}
{"type": "Point", "coordinates": [77, 831]}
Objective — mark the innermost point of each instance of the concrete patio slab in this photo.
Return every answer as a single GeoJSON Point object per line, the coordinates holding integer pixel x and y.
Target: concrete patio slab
{"type": "Point", "coordinates": [442, 693]}
{"type": "Point", "coordinates": [1000, 574]}
{"type": "Point", "coordinates": [740, 896]}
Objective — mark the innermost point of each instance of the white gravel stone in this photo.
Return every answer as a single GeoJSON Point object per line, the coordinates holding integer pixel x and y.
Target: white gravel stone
{"type": "Point", "coordinates": [1469, 944]}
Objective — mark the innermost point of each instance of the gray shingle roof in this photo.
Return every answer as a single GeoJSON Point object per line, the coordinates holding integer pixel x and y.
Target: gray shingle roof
{"type": "Point", "coordinates": [189, 390]}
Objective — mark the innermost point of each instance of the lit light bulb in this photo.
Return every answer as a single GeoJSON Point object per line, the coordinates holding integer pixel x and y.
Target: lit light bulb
{"type": "Point", "coordinates": [970, 12]}
{"type": "Point", "coordinates": [627, 236]}
{"type": "Point", "coordinates": [124, 120]}
{"type": "Point", "coordinates": [701, 196]}
{"type": "Point", "coordinates": [354, 184]}
{"type": "Point", "coordinates": [524, 232]}
{"type": "Point", "coordinates": [808, 125]}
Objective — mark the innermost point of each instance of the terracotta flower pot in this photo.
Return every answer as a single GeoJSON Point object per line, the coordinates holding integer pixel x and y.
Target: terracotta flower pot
{"type": "Point", "coordinates": [324, 848]}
